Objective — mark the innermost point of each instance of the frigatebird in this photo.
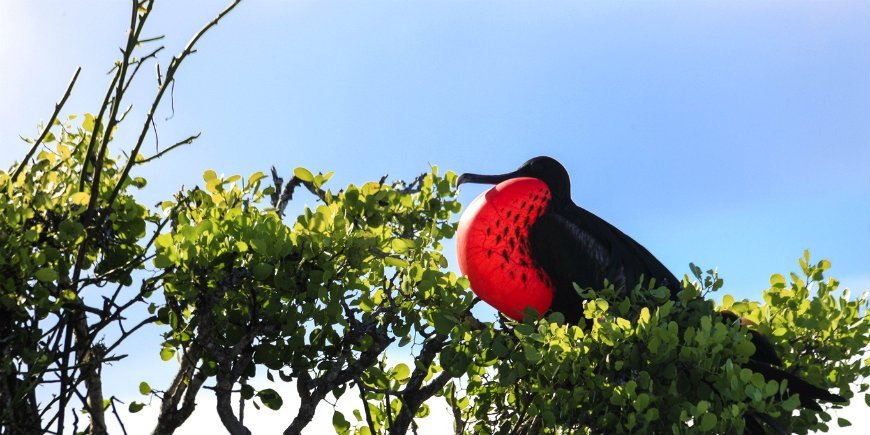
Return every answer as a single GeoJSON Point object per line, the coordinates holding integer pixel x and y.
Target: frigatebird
{"type": "Point", "coordinates": [525, 243]}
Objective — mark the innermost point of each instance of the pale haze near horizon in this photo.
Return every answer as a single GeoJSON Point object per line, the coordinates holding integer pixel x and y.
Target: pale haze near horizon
{"type": "Point", "coordinates": [733, 135]}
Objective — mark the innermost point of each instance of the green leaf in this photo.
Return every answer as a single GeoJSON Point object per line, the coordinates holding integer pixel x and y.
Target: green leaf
{"type": "Point", "coordinates": [144, 388]}
{"type": "Point", "coordinates": [340, 424]}
{"type": "Point", "coordinates": [304, 175]}
{"type": "Point", "coordinates": [443, 324]}
{"type": "Point", "coordinates": [209, 175]}
{"type": "Point", "coordinates": [532, 353]}
{"type": "Point", "coordinates": [163, 241]}
{"type": "Point", "coordinates": [423, 411]}
{"type": "Point", "coordinates": [213, 185]}
{"type": "Point", "coordinates": [696, 271]}
{"type": "Point", "coordinates": [31, 235]}
{"type": "Point", "coordinates": [161, 261]}
{"type": "Point", "coordinates": [791, 403]}
{"type": "Point", "coordinates": [255, 177]}
{"type": "Point", "coordinates": [623, 323]}
{"type": "Point", "coordinates": [842, 422]}
{"type": "Point", "coordinates": [70, 230]}
{"type": "Point", "coordinates": [270, 398]}
{"type": "Point", "coordinates": [46, 274]}
{"type": "Point", "coordinates": [247, 391]}
{"type": "Point", "coordinates": [661, 294]}
{"type": "Point", "coordinates": [708, 422]}
{"type": "Point", "coordinates": [777, 280]}
{"type": "Point", "coordinates": [396, 262]}
{"type": "Point", "coordinates": [641, 402]}
{"type": "Point", "coordinates": [263, 271]}
{"type": "Point", "coordinates": [80, 198]}
{"type": "Point", "coordinates": [727, 301]}
{"type": "Point", "coordinates": [88, 123]}
{"type": "Point", "coordinates": [400, 246]}
{"type": "Point", "coordinates": [557, 318]}
{"type": "Point", "coordinates": [401, 372]}
{"type": "Point", "coordinates": [260, 246]}
{"type": "Point", "coordinates": [167, 353]}
{"type": "Point", "coordinates": [644, 315]}
{"type": "Point", "coordinates": [135, 407]}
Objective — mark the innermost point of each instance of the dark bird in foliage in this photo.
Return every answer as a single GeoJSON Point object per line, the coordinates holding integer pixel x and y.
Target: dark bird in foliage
{"type": "Point", "coordinates": [524, 243]}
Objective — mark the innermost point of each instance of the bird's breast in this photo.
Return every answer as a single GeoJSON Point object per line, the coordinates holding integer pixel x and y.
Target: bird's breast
{"type": "Point", "coordinates": [493, 247]}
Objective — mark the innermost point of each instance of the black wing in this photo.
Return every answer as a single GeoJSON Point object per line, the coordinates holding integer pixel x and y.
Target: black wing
{"type": "Point", "coordinates": [576, 246]}
{"type": "Point", "coordinates": [634, 259]}
{"type": "Point", "coordinates": [568, 255]}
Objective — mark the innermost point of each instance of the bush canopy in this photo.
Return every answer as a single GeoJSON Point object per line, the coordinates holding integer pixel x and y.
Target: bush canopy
{"type": "Point", "coordinates": [248, 299]}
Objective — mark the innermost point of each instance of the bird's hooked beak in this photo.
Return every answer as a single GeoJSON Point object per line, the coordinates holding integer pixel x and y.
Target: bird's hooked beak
{"type": "Point", "coordinates": [485, 179]}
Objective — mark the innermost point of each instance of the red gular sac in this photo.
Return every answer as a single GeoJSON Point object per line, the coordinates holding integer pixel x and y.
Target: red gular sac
{"type": "Point", "coordinates": [493, 247]}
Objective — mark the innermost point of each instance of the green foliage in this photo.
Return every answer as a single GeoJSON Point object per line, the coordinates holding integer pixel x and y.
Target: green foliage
{"type": "Point", "coordinates": [324, 295]}
{"type": "Point", "coordinates": [45, 215]}
{"type": "Point", "coordinates": [62, 230]}
{"type": "Point", "coordinates": [321, 300]}
{"type": "Point", "coordinates": [823, 335]}
{"type": "Point", "coordinates": [649, 365]}
{"type": "Point", "coordinates": [328, 299]}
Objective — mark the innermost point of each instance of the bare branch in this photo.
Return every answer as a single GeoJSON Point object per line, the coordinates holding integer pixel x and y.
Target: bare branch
{"type": "Point", "coordinates": [112, 400]}
{"type": "Point", "coordinates": [312, 392]}
{"type": "Point", "coordinates": [142, 60]}
{"type": "Point", "coordinates": [170, 74]}
{"type": "Point", "coordinates": [160, 154]}
{"type": "Point", "coordinates": [365, 403]}
{"type": "Point", "coordinates": [59, 105]}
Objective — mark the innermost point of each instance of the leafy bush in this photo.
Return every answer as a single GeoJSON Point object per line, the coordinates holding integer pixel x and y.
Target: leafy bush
{"type": "Point", "coordinates": [674, 367]}
{"type": "Point", "coordinates": [63, 230]}
{"type": "Point", "coordinates": [316, 302]}
{"type": "Point", "coordinates": [327, 300]}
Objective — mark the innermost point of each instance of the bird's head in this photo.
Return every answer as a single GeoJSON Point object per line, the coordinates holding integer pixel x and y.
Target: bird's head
{"type": "Point", "coordinates": [546, 169]}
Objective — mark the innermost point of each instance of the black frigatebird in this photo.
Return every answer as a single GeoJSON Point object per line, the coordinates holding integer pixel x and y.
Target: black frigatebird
{"type": "Point", "coordinates": [525, 243]}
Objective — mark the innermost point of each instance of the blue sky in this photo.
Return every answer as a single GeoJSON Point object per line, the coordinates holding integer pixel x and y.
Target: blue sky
{"type": "Point", "coordinates": [730, 134]}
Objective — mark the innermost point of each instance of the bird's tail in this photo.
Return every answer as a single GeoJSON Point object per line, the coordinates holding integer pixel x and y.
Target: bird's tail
{"type": "Point", "coordinates": [809, 394]}
{"type": "Point", "coordinates": [754, 427]}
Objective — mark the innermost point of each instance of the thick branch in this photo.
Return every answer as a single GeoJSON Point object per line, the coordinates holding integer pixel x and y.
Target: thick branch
{"type": "Point", "coordinates": [414, 393]}
{"type": "Point", "coordinates": [90, 357]}
{"type": "Point", "coordinates": [312, 392]}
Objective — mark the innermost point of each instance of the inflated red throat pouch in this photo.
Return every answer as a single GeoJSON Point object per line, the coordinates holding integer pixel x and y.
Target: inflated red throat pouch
{"type": "Point", "coordinates": [493, 247]}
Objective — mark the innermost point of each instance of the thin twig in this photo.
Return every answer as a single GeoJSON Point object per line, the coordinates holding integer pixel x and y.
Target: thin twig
{"type": "Point", "coordinates": [141, 61]}
{"type": "Point", "coordinates": [187, 141]}
{"type": "Point", "coordinates": [362, 395]}
{"type": "Point", "coordinates": [112, 400]}
{"type": "Point", "coordinates": [170, 73]}
{"type": "Point", "coordinates": [48, 126]}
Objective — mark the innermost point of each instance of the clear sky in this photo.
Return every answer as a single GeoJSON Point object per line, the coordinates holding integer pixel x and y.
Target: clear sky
{"type": "Point", "coordinates": [730, 134]}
